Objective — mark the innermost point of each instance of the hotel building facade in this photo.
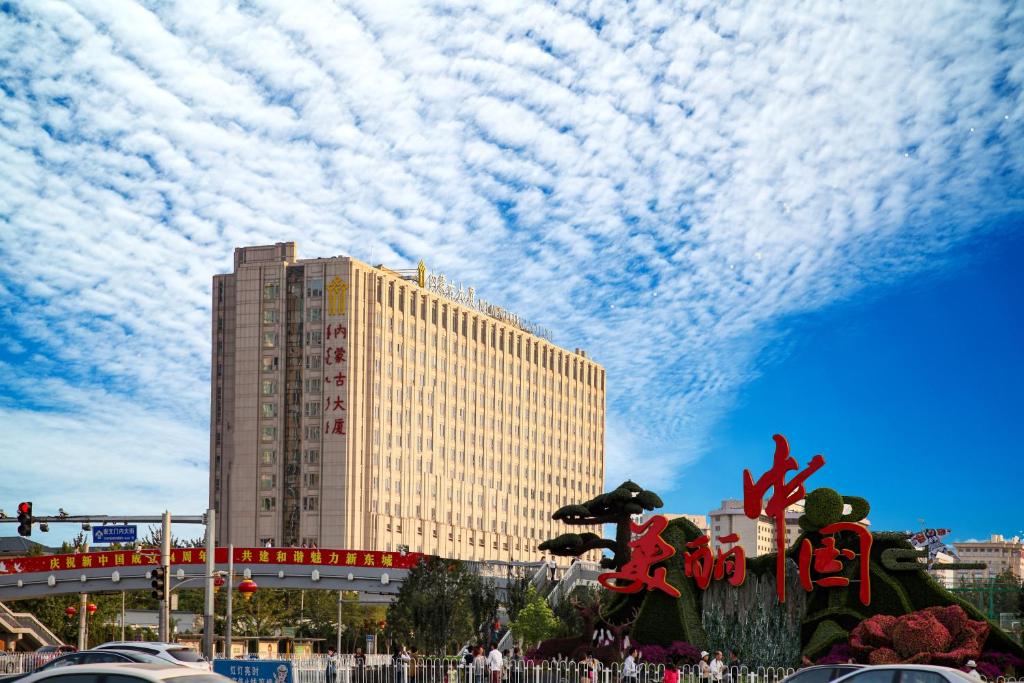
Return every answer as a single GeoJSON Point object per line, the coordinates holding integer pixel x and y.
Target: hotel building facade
{"type": "Point", "coordinates": [359, 407]}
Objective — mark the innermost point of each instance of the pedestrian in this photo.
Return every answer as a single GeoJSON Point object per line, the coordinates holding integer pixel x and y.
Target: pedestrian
{"type": "Point", "coordinates": [703, 667]}
{"type": "Point", "coordinates": [332, 665]}
{"type": "Point", "coordinates": [671, 672]}
{"type": "Point", "coordinates": [359, 660]}
{"type": "Point", "coordinates": [552, 567]}
{"type": "Point", "coordinates": [479, 664]}
{"type": "Point", "coordinates": [717, 667]}
{"type": "Point", "coordinates": [494, 663]}
{"type": "Point", "coordinates": [629, 668]}
{"type": "Point", "coordinates": [414, 663]}
{"type": "Point", "coordinates": [972, 670]}
{"type": "Point", "coordinates": [733, 672]}
{"type": "Point", "coordinates": [516, 665]}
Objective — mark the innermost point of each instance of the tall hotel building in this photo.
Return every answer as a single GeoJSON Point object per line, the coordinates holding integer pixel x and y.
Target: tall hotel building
{"type": "Point", "coordinates": [359, 407]}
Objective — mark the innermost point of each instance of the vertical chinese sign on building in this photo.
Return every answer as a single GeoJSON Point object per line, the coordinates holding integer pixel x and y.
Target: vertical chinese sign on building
{"type": "Point", "coordinates": [336, 375]}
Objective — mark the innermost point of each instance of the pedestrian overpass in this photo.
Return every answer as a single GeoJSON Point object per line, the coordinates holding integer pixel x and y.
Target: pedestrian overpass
{"type": "Point", "coordinates": [374, 574]}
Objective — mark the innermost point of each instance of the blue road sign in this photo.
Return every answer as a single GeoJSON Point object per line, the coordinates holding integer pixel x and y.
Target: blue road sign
{"type": "Point", "coordinates": [254, 670]}
{"type": "Point", "coordinates": [121, 533]}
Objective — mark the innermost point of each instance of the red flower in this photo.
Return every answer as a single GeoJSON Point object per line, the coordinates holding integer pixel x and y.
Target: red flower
{"type": "Point", "coordinates": [936, 635]}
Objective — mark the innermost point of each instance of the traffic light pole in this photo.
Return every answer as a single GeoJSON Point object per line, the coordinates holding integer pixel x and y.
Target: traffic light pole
{"type": "Point", "coordinates": [165, 563]}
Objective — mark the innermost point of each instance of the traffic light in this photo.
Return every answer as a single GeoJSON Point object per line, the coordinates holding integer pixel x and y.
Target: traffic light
{"type": "Point", "coordinates": [158, 583]}
{"type": "Point", "coordinates": [25, 519]}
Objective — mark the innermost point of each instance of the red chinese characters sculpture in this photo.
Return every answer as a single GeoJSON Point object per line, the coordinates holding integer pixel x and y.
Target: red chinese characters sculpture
{"type": "Point", "coordinates": [702, 566]}
{"type": "Point", "coordinates": [647, 549]}
{"type": "Point", "coordinates": [826, 560]}
{"type": "Point", "coordinates": [784, 494]}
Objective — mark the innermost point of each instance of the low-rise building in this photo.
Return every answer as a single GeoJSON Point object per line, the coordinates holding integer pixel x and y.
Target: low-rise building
{"type": "Point", "coordinates": [998, 553]}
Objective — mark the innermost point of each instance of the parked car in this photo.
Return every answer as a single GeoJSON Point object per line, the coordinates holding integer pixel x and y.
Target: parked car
{"type": "Point", "coordinates": [906, 673]}
{"type": "Point", "coordinates": [48, 652]}
{"type": "Point", "coordinates": [108, 656]}
{"type": "Point", "coordinates": [169, 652]}
{"type": "Point", "coordinates": [124, 673]}
{"type": "Point", "coordinates": [822, 673]}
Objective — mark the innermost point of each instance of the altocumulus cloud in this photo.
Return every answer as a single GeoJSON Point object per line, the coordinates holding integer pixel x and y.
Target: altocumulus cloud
{"type": "Point", "coordinates": [660, 183]}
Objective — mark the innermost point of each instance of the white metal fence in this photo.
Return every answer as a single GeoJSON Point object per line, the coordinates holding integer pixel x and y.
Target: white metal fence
{"type": "Point", "coordinates": [383, 669]}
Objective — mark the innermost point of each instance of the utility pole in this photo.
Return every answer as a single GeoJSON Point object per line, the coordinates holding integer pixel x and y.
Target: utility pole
{"type": "Point", "coordinates": [228, 627]}
{"type": "Point", "coordinates": [211, 548]}
{"type": "Point", "coordinates": [341, 598]}
{"type": "Point", "coordinates": [83, 614]}
{"type": "Point", "coordinates": [165, 562]}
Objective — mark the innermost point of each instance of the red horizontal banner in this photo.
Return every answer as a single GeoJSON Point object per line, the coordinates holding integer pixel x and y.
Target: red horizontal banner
{"type": "Point", "coordinates": [243, 556]}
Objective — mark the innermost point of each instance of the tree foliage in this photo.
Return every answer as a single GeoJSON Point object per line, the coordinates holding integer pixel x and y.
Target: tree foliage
{"type": "Point", "coordinates": [536, 621]}
{"type": "Point", "coordinates": [615, 507]}
{"type": "Point", "coordinates": [433, 609]}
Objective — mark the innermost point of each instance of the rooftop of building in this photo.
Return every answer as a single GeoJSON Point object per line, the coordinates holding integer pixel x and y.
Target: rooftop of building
{"type": "Point", "coordinates": [19, 546]}
{"type": "Point", "coordinates": [435, 283]}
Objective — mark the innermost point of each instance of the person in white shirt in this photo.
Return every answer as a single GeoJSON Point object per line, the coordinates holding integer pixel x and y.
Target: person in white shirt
{"type": "Point", "coordinates": [629, 670]}
{"type": "Point", "coordinates": [972, 672]}
{"type": "Point", "coordinates": [717, 666]}
{"type": "Point", "coordinates": [494, 661]}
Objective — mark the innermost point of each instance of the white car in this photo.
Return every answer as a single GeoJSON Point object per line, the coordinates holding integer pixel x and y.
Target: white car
{"type": "Point", "coordinates": [124, 673]}
{"type": "Point", "coordinates": [906, 673]}
{"type": "Point", "coordinates": [171, 652]}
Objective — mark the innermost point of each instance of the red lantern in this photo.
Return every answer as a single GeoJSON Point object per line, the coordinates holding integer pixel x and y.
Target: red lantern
{"type": "Point", "coordinates": [70, 611]}
{"type": "Point", "coordinates": [91, 608]}
{"type": "Point", "coordinates": [218, 581]}
{"type": "Point", "coordinates": [247, 588]}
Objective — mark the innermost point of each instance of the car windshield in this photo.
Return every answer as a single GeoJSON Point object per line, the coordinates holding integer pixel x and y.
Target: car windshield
{"type": "Point", "coordinates": [184, 654]}
{"type": "Point", "coordinates": [140, 657]}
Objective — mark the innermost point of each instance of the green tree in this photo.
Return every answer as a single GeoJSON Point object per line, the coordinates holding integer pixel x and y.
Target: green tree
{"type": "Point", "coordinates": [483, 604]}
{"type": "Point", "coordinates": [516, 595]}
{"type": "Point", "coordinates": [432, 609]}
{"type": "Point", "coordinates": [262, 615]}
{"type": "Point", "coordinates": [536, 621]}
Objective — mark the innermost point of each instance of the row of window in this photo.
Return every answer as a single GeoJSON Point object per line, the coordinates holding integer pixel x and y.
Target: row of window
{"type": "Point", "coordinates": [309, 503]}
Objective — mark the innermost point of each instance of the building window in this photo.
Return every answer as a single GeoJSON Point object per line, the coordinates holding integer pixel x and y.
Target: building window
{"type": "Point", "coordinates": [269, 363]}
{"type": "Point", "coordinates": [312, 408]}
{"type": "Point", "coordinates": [310, 503]}
{"type": "Point", "coordinates": [268, 482]}
{"type": "Point", "coordinates": [313, 433]}
{"type": "Point", "coordinates": [268, 504]}
{"type": "Point", "coordinates": [269, 410]}
{"type": "Point", "coordinates": [270, 290]}
{"type": "Point", "coordinates": [269, 340]}
{"type": "Point", "coordinates": [313, 362]}
{"type": "Point", "coordinates": [268, 387]}
{"type": "Point", "coordinates": [313, 386]}
{"type": "Point", "coordinates": [311, 456]}
{"type": "Point", "coordinates": [314, 338]}
{"type": "Point", "coordinates": [315, 287]}
{"type": "Point", "coordinates": [269, 316]}
{"type": "Point", "coordinates": [311, 480]}
{"type": "Point", "coordinates": [268, 456]}
{"type": "Point", "coordinates": [268, 433]}
{"type": "Point", "coordinates": [315, 314]}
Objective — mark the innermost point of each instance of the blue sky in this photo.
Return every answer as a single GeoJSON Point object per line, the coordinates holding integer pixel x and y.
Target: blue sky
{"type": "Point", "coordinates": [723, 205]}
{"type": "Point", "coordinates": [918, 383]}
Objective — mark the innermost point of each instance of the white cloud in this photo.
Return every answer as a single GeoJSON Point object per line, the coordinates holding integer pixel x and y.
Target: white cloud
{"type": "Point", "coordinates": [707, 171]}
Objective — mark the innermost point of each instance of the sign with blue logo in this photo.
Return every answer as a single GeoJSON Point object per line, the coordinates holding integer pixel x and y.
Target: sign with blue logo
{"type": "Point", "coordinates": [121, 533]}
{"type": "Point", "coordinates": [254, 670]}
